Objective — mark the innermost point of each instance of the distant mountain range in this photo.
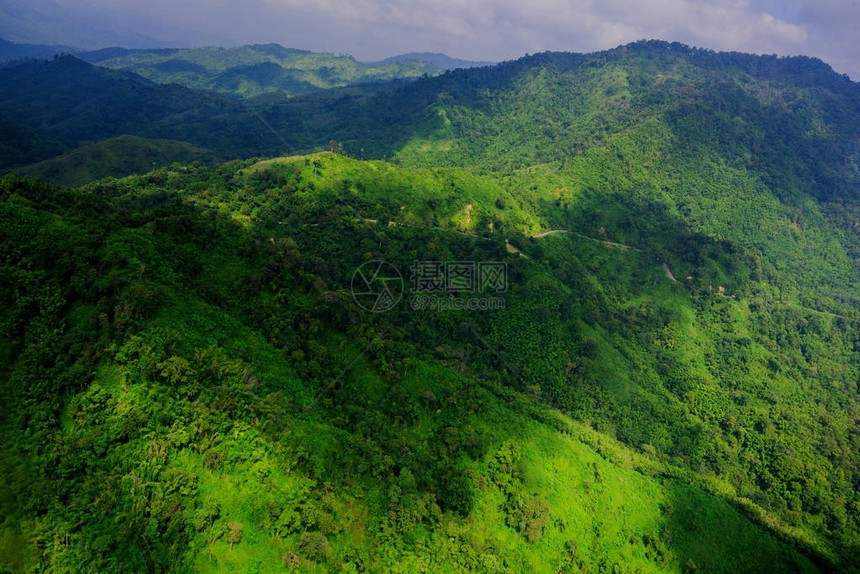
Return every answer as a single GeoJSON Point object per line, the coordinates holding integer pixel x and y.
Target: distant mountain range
{"type": "Point", "coordinates": [248, 71]}
{"type": "Point", "coordinates": [9, 51]}
{"type": "Point", "coordinates": [256, 69]}
{"type": "Point", "coordinates": [75, 103]}
{"type": "Point", "coordinates": [439, 60]}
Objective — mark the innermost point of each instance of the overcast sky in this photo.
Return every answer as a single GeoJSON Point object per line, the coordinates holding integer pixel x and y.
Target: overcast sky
{"type": "Point", "coordinates": [491, 30]}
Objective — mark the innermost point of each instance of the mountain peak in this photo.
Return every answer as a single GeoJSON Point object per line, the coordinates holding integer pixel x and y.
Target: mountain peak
{"type": "Point", "coordinates": [441, 60]}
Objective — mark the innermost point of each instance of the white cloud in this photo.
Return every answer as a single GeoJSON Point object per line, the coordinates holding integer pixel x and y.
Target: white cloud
{"type": "Point", "coordinates": [503, 29]}
{"type": "Point", "coordinates": [832, 26]}
{"type": "Point", "coordinates": [507, 28]}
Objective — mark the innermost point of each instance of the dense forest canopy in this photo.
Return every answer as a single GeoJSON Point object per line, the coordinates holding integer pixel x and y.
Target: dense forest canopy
{"type": "Point", "coordinates": [666, 378]}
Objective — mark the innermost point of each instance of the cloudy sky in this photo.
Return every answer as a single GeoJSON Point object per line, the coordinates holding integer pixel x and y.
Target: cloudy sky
{"type": "Point", "coordinates": [491, 30]}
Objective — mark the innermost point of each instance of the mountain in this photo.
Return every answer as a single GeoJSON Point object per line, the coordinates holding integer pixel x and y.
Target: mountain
{"type": "Point", "coordinates": [73, 103]}
{"type": "Point", "coordinates": [10, 51]}
{"type": "Point", "coordinates": [77, 104]}
{"type": "Point", "coordinates": [482, 118]}
{"type": "Point", "coordinates": [650, 123]}
{"type": "Point", "coordinates": [20, 145]}
{"type": "Point", "coordinates": [252, 70]}
{"type": "Point", "coordinates": [441, 61]}
{"type": "Point", "coordinates": [116, 157]}
{"type": "Point", "coordinates": [102, 54]}
{"type": "Point", "coordinates": [594, 312]}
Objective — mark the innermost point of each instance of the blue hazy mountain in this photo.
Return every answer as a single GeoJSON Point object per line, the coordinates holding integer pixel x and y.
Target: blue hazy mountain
{"type": "Point", "coordinates": [10, 51]}
{"type": "Point", "coordinates": [441, 60]}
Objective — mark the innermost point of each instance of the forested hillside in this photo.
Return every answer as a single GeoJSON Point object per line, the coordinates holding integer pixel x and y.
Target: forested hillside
{"type": "Point", "coordinates": [253, 70]}
{"type": "Point", "coordinates": [115, 157]}
{"type": "Point", "coordinates": [204, 375]}
{"type": "Point", "coordinates": [51, 107]}
{"type": "Point", "coordinates": [77, 103]}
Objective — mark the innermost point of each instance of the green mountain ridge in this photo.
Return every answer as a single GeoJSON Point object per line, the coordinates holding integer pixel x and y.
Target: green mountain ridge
{"type": "Point", "coordinates": [117, 157]}
{"type": "Point", "coordinates": [78, 104]}
{"type": "Point", "coordinates": [70, 103]}
{"type": "Point", "coordinates": [666, 379]}
{"type": "Point", "coordinates": [252, 70]}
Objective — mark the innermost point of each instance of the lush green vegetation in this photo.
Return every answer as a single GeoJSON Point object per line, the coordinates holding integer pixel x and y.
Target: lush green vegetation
{"type": "Point", "coordinates": [671, 383]}
{"type": "Point", "coordinates": [48, 108]}
{"type": "Point", "coordinates": [253, 70]}
{"type": "Point", "coordinates": [75, 103]}
{"type": "Point", "coordinates": [116, 157]}
{"type": "Point", "coordinates": [231, 406]}
{"type": "Point", "coordinates": [20, 144]}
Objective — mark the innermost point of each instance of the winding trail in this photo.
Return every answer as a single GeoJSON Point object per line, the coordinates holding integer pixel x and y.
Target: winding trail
{"type": "Point", "coordinates": [550, 232]}
{"type": "Point", "coordinates": [669, 273]}
{"type": "Point", "coordinates": [511, 249]}
{"type": "Point", "coordinates": [601, 241]}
